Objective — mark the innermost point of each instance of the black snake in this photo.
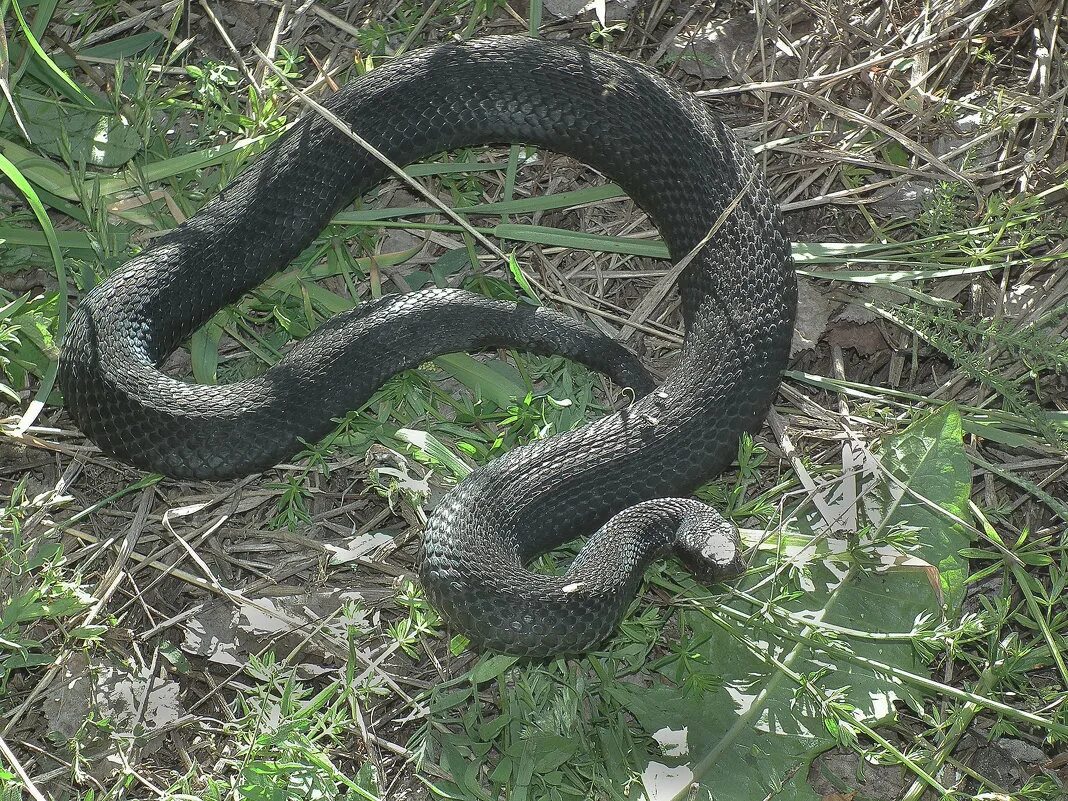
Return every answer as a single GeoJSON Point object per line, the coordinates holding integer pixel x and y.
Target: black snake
{"type": "Point", "coordinates": [621, 474]}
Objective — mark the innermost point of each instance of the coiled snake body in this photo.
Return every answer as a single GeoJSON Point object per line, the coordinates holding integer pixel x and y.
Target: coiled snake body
{"type": "Point", "coordinates": [621, 473]}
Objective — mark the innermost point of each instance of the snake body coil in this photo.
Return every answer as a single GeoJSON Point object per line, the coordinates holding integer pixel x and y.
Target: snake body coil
{"type": "Point", "coordinates": [619, 473]}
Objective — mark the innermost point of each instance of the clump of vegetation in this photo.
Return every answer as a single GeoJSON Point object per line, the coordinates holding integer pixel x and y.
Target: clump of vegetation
{"type": "Point", "coordinates": [900, 630]}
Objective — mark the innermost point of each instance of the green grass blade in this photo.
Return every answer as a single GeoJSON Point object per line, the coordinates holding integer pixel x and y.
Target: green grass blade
{"type": "Point", "coordinates": [69, 87]}
{"type": "Point", "coordinates": [49, 379]}
{"type": "Point", "coordinates": [578, 240]}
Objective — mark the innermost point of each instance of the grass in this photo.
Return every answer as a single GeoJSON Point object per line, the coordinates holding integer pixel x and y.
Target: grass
{"type": "Point", "coordinates": [901, 630]}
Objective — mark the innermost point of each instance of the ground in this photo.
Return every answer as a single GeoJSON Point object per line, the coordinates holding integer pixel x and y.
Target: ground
{"type": "Point", "coordinates": [900, 630]}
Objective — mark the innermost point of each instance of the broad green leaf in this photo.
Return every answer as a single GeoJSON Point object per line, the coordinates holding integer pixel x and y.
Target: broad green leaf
{"type": "Point", "coordinates": [928, 461]}
{"type": "Point", "coordinates": [491, 667]}
{"type": "Point", "coordinates": [204, 349]}
{"type": "Point", "coordinates": [482, 378]}
{"type": "Point", "coordinates": [41, 171]}
{"type": "Point", "coordinates": [464, 771]}
{"type": "Point", "coordinates": [448, 263]}
{"type": "Point", "coordinates": [89, 136]}
{"type": "Point", "coordinates": [119, 49]}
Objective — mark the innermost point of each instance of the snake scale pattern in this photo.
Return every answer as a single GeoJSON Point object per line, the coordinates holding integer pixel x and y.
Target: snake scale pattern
{"type": "Point", "coordinates": [623, 477]}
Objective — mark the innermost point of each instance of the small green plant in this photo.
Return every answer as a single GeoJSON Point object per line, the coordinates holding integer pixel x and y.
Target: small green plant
{"type": "Point", "coordinates": [422, 621]}
{"type": "Point", "coordinates": [281, 739]}
{"type": "Point", "coordinates": [40, 597]}
{"type": "Point", "coordinates": [1010, 359]}
{"type": "Point", "coordinates": [291, 508]}
{"type": "Point", "coordinates": [27, 346]}
{"type": "Point", "coordinates": [605, 35]}
{"type": "Point", "coordinates": [215, 97]}
{"type": "Point", "coordinates": [729, 492]}
{"type": "Point", "coordinates": [9, 343]}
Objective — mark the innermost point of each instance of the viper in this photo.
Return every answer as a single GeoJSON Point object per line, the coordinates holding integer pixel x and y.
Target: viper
{"type": "Point", "coordinates": [623, 479]}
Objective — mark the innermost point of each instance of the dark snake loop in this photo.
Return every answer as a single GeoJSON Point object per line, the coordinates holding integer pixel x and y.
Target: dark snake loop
{"type": "Point", "coordinates": [619, 476]}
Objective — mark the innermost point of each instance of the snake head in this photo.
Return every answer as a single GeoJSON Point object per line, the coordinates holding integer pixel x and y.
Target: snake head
{"type": "Point", "coordinates": [709, 546]}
